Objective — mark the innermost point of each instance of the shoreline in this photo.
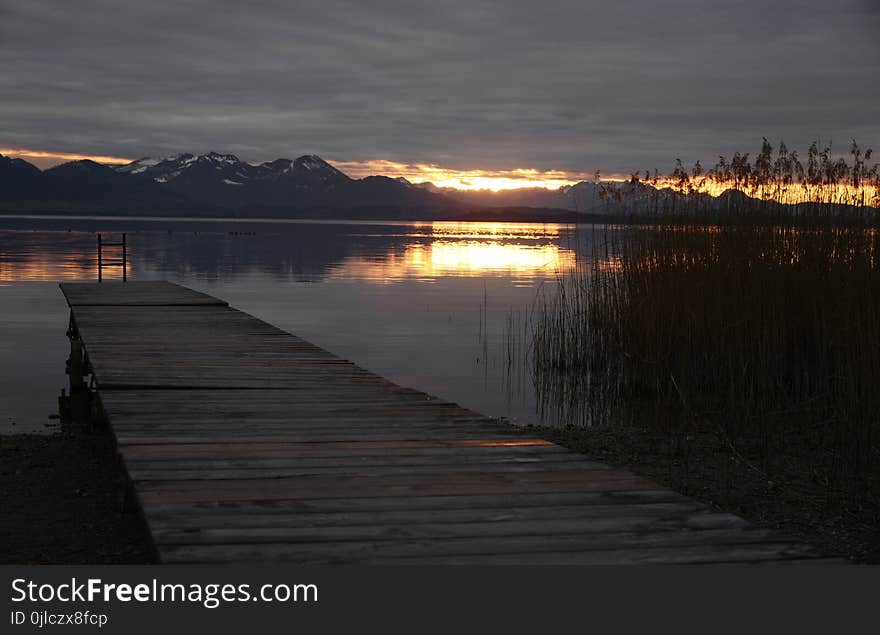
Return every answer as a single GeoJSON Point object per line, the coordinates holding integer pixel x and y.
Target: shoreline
{"type": "Point", "coordinates": [62, 504]}
{"type": "Point", "coordinates": [501, 215]}
{"type": "Point", "coordinates": [717, 475]}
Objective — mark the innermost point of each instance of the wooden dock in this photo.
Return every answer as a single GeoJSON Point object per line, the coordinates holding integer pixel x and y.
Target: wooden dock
{"type": "Point", "coordinates": [245, 443]}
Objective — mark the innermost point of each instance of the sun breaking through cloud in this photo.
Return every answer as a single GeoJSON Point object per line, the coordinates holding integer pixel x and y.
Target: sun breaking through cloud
{"type": "Point", "coordinates": [472, 179]}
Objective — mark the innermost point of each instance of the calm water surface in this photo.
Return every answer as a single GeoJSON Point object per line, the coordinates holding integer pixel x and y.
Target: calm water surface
{"type": "Point", "coordinates": [425, 304]}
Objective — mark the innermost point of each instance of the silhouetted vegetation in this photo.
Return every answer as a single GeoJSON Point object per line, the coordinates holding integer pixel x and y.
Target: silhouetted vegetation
{"type": "Point", "coordinates": [753, 316]}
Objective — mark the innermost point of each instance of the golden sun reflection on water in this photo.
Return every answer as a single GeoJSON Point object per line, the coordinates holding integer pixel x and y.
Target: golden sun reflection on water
{"type": "Point", "coordinates": [28, 256]}
{"type": "Point", "coordinates": [471, 249]}
{"type": "Point", "coordinates": [526, 231]}
{"type": "Point", "coordinates": [47, 267]}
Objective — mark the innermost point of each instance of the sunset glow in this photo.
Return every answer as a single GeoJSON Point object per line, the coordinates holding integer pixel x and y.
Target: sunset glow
{"type": "Point", "coordinates": [472, 179]}
{"type": "Point", "coordinates": [44, 159]}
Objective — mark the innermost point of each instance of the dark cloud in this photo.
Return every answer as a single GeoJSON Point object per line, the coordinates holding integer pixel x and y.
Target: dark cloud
{"type": "Point", "coordinates": [574, 85]}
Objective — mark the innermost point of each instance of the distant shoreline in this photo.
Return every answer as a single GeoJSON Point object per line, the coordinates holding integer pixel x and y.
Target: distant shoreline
{"type": "Point", "coordinates": [532, 216]}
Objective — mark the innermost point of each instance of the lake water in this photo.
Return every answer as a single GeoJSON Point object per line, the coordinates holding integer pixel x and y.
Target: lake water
{"type": "Point", "coordinates": [425, 304]}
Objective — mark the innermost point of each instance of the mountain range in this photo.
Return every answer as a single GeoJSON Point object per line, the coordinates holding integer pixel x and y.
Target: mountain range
{"type": "Point", "coordinates": [222, 184]}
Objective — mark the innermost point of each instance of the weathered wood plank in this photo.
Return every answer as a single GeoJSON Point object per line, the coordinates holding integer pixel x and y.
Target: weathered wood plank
{"type": "Point", "coordinates": [620, 548]}
{"type": "Point", "coordinates": [140, 293]}
{"type": "Point", "coordinates": [650, 526]}
{"type": "Point", "coordinates": [183, 471]}
{"type": "Point", "coordinates": [144, 437]}
{"type": "Point", "coordinates": [310, 487]}
{"type": "Point", "coordinates": [365, 448]}
{"type": "Point", "coordinates": [487, 502]}
{"type": "Point", "coordinates": [192, 520]}
{"type": "Point", "coordinates": [255, 460]}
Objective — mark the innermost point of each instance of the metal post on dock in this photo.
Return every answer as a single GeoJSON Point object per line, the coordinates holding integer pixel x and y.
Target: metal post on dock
{"type": "Point", "coordinates": [121, 261]}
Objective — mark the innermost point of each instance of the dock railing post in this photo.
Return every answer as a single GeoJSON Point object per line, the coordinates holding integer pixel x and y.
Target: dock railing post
{"type": "Point", "coordinates": [124, 261]}
{"type": "Point", "coordinates": [100, 264]}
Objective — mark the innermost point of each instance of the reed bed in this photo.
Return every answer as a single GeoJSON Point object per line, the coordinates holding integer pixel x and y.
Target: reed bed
{"type": "Point", "coordinates": [753, 316]}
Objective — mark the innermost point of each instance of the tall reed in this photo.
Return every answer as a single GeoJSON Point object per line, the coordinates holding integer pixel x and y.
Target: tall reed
{"type": "Point", "coordinates": [755, 314]}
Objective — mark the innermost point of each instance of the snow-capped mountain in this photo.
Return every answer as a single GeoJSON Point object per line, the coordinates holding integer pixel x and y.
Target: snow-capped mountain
{"type": "Point", "coordinates": [224, 178]}
{"type": "Point", "coordinates": [213, 184]}
{"type": "Point", "coordinates": [229, 169]}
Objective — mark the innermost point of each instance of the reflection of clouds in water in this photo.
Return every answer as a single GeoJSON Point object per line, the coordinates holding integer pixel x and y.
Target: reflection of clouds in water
{"type": "Point", "coordinates": [41, 256]}
{"type": "Point", "coordinates": [460, 230]}
{"type": "Point", "coordinates": [463, 249]}
{"type": "Point", "coordinates": [475, 230]}
{"type": "Point", "coordinates": [48, 267]}
{"type": "Point", "coordinates": [305, 252]}
{"type": "Point", "coordinates": [458, 258]}
{"type": "Point", "coordinates": [528, 231]}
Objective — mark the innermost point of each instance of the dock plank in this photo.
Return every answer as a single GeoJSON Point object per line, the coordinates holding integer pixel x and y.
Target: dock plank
{"type": "Point", "coordinates": [246, 443]}
{"type": "Point", "coordinates": [147, 293]}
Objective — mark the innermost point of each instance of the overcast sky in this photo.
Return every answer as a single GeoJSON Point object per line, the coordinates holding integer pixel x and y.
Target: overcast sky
{"type": "Point", "coordinates": [616, 85]}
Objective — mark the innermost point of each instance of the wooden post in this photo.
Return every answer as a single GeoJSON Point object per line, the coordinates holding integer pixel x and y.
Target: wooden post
{"type": "Point", "coordinates": [75, 361]}
{"type": "Point", "coordinates": [76, 364]}
{"type": "Point", "coordinates": [124, 261]}
{"type": "Point", "coordinates": [100, 264]}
